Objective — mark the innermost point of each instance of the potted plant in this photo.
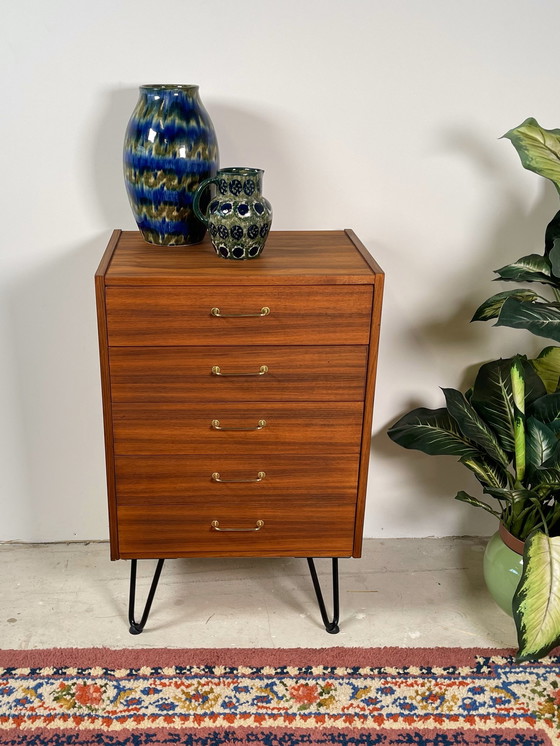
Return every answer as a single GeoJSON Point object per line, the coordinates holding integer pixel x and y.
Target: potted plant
{"type": "Point", "coordinates": [506, 428]}
{"type": "Point", "coordinates": [524, 308]}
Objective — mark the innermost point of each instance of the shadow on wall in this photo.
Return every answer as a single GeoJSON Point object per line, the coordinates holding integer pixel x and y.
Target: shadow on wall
{"type": "Point", "coordinates": [515, 231]}
{"type": "Point", "coordinates": [245, 138]}
{"type": "Point", "coordinates": [53, 316]}
{"type": "Point", "coordinates": [55, 349]}
{"type": "Point", "coordinates": [108, 190]}
{"type": "Point", "coordinates": [260, 138]}
{"type": "Point", "coordinates": [432, 483]}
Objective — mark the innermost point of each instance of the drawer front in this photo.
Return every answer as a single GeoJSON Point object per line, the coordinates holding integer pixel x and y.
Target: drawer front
{"type": "Point", "coordinates": [306, 530]}
{"type": "Point", "coordinates": [183, 315]}
{"type": "Point", "coordinates": [240, 428]}
{"type": "Point", "coordinates": [184, 374]}
{"type": "Point", "coordinates": [188, 481]}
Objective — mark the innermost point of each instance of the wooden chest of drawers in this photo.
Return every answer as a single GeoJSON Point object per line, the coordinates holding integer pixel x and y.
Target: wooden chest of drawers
{"type": "Point", "coordinates": [238, 396]}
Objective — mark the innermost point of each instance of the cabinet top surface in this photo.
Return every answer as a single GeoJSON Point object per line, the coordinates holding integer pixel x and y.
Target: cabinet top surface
{"type": "Point", "coordinates": [292, 257]}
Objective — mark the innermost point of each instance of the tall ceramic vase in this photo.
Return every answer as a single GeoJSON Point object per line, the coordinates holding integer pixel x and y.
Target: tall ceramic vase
{"type": "Point", "coordinates": [170, 147]}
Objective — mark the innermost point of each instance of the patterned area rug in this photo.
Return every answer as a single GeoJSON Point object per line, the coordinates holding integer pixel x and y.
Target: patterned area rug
{"type": "Point", "coordinates": [346, 697]}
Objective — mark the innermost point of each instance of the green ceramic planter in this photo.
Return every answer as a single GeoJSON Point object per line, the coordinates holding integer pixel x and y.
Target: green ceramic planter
{"type": "Point", "coordinates": [503, 568]}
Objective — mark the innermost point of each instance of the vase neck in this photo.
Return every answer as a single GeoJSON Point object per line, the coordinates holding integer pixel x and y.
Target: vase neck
{"type": "Point", "coordinates": [169, 93]}
{"type": "Point", "coordinates": [240, 180]}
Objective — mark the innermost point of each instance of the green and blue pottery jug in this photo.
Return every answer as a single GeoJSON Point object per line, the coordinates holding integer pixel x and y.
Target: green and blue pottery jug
{"type": "Point", "coordinates": [238, 217]}
{"type": "Point", "coordinates": [170, 148]}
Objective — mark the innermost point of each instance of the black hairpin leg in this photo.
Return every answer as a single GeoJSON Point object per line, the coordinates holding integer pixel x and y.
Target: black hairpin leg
{"type": "Point", "coordinates": [330, 626]}
{"type": "Point", "coordinates": [137, 627]}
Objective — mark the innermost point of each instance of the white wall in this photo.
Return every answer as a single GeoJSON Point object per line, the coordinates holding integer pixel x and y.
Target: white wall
{"type": "Point", "coordinates": [380, 115]}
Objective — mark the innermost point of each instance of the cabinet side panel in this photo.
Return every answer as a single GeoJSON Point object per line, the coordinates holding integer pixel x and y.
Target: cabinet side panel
{"type": "Point", "coordinates": [366, 256]}
{"type": "Point", "coordinates": [368, 412]}
{"type": "Point", "coordinates": [106, 391]}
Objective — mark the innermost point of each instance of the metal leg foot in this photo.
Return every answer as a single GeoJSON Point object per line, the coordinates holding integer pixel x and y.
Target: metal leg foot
{"type": "Point", "coordinates": [137, 627]}
{"type": "Point", "coordinates": [331, 626]}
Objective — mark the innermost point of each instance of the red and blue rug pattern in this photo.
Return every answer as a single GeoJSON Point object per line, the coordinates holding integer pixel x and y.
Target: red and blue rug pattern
{"type": "Point", "coordinates": [268, 697]}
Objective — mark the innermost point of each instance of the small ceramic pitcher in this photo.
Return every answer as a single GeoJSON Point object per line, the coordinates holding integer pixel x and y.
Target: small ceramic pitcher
{"type": "Point", "coordinates": [238, 217]}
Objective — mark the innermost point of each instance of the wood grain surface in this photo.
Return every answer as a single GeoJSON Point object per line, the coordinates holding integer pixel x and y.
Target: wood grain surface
{"type": "Point", "coordinates": [289, 257]}
{"type": "Point", "coordinates": [184, 374]}
{"type": "Point", "coordinates": [182, 316]}
{"type": "Point", "coordinates": [186, 531]}
{"type": "Point", "coordinates": [291, 427]}
{"type": "Point", "coordinates": [158, 344]}
{"type": "Point", "coordinates": [187, 480]}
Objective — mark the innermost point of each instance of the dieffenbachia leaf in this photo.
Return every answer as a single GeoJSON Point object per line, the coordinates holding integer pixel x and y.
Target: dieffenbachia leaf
{"type": "Point", "coordinates": [554, 257]}
{"type": "Point", "coordinates": [488, 473]}
{"type": "Point", "coordinates": [464, 497]}
{"type": "Point", "coordinates": [518, 390]}
{"type": "Point", "coordinates": [540, 443]}
{"type": "Point", "coordinates": [536, 603]}
{"type": "Point", "coordinates": [531, 268]}
{"type": "Point", "coordinates": [473, 426]}
{"type": "Point", "coordinates": [432, 431]}
{"type": "Point", "coordinates": [491, 308]}
{"type": "Point", "coordinates": [552, 233]}
{"type": "Point", "coordinates": [538, 149]}
{"type": "Point", "coordinates": [553, 460]}
{"type": "Point", "coordinates": [547, 408]}
{"type": "Point", "coordinates": [493, 397]}
{"type": "Point", "coordinates": [511, 495]}
{"type": "Point", "coordinates": [555, 427]}
{"type": "Point", "coordinates": [544, 476]}
{"type": "Point", "coordinates": [542, 319]}
{"type": "Point", "coordinates": [547, 365]}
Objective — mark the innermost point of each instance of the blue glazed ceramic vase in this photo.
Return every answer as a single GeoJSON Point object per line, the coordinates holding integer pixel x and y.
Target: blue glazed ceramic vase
{"type": "Point", "coordinates": [170, 147]}
{"type": "Point", "coordinates": [238, 217]}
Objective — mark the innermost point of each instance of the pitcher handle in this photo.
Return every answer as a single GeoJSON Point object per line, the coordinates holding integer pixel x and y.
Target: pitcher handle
{"type": "Point", "coordinates": [197, 195]}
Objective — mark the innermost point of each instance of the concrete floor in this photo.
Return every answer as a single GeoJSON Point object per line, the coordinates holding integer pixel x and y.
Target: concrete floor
{"type": "Point", "coordinates": [405, 592]}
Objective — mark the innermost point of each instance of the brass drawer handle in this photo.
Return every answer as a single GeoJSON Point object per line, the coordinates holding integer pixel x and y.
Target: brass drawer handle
{"type": "Point", "coordinates": [265, 310]}
{"type": "Point", "coordinates": [217, 371]}
{"type": "Point", "coordinates": [260, 476]}
{"type": "Point", "coordinates": [216, 526]}
{"type": "Point", "coordinates": [216, 425]}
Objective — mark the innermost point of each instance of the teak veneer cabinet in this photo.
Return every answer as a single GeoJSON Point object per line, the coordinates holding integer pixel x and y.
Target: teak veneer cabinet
{"type": "Point", "coordinates": [237, 399]}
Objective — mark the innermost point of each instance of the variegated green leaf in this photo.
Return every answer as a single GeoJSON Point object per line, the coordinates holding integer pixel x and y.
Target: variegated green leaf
{"type": "Point", "coordinates": [547, 408]}
{"type": "Point", "coordinates": [510, 495]}
{"type": "Point", "coordinates": [493, 397]}
{"type": "Point", "coordinates": [555, 427]}
{"type": "Point", "coordinates": [538, 149]}
{"type": "Point", "coordinates": [488, 473]}
{"type": "Point", "coordinates": [432, 431]}
{"type": "Point", "coordinates": [553, 460]}
{"type": "Point", "coordinates": [536, 603]}
{"type": "Point", "coordinates": [540, 442]}
{"type": "Point", "coordinates": [547, 365]}
{"type": "Point", "coordinates": [554, 257]}
{"type": "Point", "coordinates": [491, 308]}
{"type": "Point", "coordinates": [542, 319]}
{"type": "Point", "coordinates": [543, 476]}
{"type": "Point", "coordinates": [521, 513]}
{"type": "Point", "coordinates": [518, 390]}
{"type": "Point", "coordinates": [464, 497]}
{"type": "Point", "coordinates": [552, 233]}
{"type": "Point", "coordinates": [531, 268]}
{"type": "Point", "coordinates": [473, 426]}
